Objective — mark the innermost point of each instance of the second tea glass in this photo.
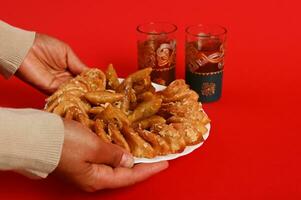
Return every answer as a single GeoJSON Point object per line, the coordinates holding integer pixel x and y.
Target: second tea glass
{"type": "Point", "coordinates": [157, 49]}
{"type": "Point", "coordinates": [204, 60]}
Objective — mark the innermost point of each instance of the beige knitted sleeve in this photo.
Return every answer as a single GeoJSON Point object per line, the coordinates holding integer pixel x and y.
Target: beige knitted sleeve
{"type": "Point", "coordinates": [30, 140]}
{"type": "Point", "coordinates": [14, 45]}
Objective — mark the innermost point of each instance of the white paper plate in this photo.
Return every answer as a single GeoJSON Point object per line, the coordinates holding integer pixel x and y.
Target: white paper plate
{"type": "Point", "coordinates": [186, 151]}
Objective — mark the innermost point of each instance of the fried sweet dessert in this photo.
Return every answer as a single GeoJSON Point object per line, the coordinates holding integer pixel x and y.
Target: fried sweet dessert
{"type": "Point", "coordinates": [131, 114]}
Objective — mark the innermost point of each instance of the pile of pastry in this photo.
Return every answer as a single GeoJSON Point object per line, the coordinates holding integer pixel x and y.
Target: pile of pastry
{"type": "Point", "coordinates": [131, 113]}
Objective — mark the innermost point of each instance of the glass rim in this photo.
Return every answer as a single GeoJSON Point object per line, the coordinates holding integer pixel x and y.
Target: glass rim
{"type": "Point", "coordinates": [174, 28]}
{"type": "Point", "coordinates": [223, 32]}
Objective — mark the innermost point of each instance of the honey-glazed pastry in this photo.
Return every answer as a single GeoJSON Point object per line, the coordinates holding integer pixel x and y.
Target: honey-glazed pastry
{"type": "Point", "coordinates": [147, 123]}
{"type": "Point", "coordinates": [131, 114]}
{"type": "Point", "coordinates": [138, 146]}
{"type": "Point", "coordinates": [146, 109]}
{"type": "Point", "coordinates": [112, 78]}
{"type": "Point", "coordinates": [174, 139]}
{"type": "Point", "coordinates": [117, 137]}
{"type": "Point", "coordinates": [99, 130]}
{"type": "Point", "coordinates": [158, 143]}
{"type": "Point", "coordinates": [96, 110]}
{"type": "Point", "coordinates": [102, 97]}
{"type": "Point", "coordinates": [113, 115]}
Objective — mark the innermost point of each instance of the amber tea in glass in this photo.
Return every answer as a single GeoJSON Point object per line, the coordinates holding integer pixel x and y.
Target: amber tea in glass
{"type": "Point", "coordinates": [157, 49]}
{"type": "Point", "coordinates": [204, 60]}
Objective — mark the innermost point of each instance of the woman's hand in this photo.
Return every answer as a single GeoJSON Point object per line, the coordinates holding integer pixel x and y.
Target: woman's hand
{"type": "Point", "coordinates": [93, 165]}
{"type": "Point", "coordinates": [49, 63]}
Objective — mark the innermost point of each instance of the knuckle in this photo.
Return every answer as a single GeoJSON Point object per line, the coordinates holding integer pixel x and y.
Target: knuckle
{"type": "Point", "coordinates": [91, 187]}
{"type": "Point", "coordinates": [67, 46]}
{"type": "Point", "coordinates": [116, 153]}
{"type": "Point", "coordinates": [97, 146]}
{"type": "Point", "coordinates": [88, 189]}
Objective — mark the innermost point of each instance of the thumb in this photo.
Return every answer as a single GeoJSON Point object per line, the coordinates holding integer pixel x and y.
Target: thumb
{"type": "Point", "coordinates": [105, 177]}
{"type": "Point", "coordinates": [112, 155]}
{"type": "Point", "coordinates": [75, 65]}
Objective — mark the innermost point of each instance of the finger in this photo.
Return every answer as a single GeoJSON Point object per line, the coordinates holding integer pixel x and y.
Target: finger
{"type": "Point", "coordinates": [112, 155]}
{"type": "Point", "coordinates": [76, 66]}
{"type": "Point", "coordinates": [107, 177]}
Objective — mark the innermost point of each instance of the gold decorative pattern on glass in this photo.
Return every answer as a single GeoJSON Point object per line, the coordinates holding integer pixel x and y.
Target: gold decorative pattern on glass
{"type": "Point", "coordinates": [208, 89]}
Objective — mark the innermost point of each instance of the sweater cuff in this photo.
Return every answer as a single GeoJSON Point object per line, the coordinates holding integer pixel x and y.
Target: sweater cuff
{"type": "Point", "coordinates": [14, 46]}
{"type": "Point", "coordinates": [30, 141]}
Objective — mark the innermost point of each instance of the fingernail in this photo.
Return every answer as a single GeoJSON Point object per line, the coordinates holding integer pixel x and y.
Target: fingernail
{"type": "Point", "coordinates": [127, 160]}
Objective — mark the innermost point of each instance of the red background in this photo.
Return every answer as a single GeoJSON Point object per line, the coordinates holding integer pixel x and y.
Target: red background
{"type": "Point", "coordinates": [253, 151]}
